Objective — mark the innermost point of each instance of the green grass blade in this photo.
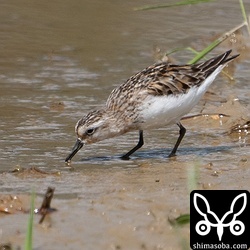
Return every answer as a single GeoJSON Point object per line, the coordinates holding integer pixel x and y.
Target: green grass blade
{"type": "Point", "coordinates": [205, 51]}
{"type": "Point", "coordinates": [181, 220]}
{"type": "Point", "coordinates": [215, 43]}
{"type": "Point", "coordinates": [193, 176]}
{"type": "Point", "coordinates": [243, 11]}
{"type": "Point", "coordinates": [184, 2]}
{"type": "Point", "coordinates": [29, 233]}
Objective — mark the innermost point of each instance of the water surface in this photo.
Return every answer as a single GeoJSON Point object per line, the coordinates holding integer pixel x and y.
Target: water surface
{"type": "Point", "coordinates": [61, 59]}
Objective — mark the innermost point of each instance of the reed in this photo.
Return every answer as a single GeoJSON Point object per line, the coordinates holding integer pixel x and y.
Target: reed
{"type": "Point", "coordinates": [29, 234]}
{"type": "Point", "coordinates": [158, 6]}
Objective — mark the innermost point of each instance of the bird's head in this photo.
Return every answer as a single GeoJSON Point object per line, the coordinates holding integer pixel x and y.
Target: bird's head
{"type": "Point", "coordinates": [93, 127]}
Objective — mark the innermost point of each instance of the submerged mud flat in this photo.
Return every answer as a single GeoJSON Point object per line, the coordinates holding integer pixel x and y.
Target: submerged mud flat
{"type": "Point", "coordinates": [123, 208]}
{"type": "Point", "coordinates": [56, 66]}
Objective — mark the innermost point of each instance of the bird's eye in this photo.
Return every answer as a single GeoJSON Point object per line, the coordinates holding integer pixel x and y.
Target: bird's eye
{"type": "Point", "coordinates": [90, 131]}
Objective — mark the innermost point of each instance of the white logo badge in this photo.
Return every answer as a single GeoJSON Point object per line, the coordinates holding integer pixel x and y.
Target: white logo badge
{"type": "Point", "coordinates": [203, 227]}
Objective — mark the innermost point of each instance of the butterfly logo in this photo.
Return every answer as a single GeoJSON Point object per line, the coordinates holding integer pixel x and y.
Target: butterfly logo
{"type": "Point", "coordinates": [203, 227]}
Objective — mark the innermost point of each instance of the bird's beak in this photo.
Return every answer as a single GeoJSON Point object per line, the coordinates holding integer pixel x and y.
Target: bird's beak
{"type": "Point", "coordinates": [78, 145]}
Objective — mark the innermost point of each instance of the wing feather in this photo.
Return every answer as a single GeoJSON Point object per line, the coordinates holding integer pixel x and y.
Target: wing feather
{"type": "Point", "coordinates": [164, 79]}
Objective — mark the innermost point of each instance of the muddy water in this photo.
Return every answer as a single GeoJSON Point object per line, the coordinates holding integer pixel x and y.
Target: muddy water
{"type": "Point", "coordinates": [61, 59]}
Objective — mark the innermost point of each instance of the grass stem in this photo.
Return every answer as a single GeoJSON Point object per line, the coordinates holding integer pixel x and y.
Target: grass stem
{"type": "Point", "coordinates": [29, 233]}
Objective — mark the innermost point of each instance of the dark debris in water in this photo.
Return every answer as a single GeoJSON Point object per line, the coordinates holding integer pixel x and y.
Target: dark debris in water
{"type": "Point", "coordinates": [241, 128]}
{"type": "Point", "coordinates": [6, 246]}
{"type": "Point", "coordinates": [231, 118]}
{"type": "Point", "coordinates": [57, 106]}
{"type": "Point", "coordinates": [33, 171]}
{"type": "Point", "coordinates": [12, 204]}
{"type": "Point", "coordinates": [45, 207]}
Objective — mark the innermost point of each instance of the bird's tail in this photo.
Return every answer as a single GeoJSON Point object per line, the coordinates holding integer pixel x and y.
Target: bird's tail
{"type": "Point", "coordinates": [210, 65]}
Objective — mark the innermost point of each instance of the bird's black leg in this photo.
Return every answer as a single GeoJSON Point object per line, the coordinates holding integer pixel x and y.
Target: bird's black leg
{"type": "Point", "coordinates": [139, 145]}
{"type": "Point", "coordinates": [182, 133]}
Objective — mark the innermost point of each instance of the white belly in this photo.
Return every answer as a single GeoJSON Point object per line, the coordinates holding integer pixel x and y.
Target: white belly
{"type": "Point", "coordinates": [158, 111]}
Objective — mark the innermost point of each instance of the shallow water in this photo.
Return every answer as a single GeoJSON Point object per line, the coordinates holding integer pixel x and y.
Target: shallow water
{"type": "Point", "coordinates": [60, 60]}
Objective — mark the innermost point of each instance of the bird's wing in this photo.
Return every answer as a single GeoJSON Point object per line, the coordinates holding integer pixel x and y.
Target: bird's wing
{"type": "Point", "coordinates": [164, 79]}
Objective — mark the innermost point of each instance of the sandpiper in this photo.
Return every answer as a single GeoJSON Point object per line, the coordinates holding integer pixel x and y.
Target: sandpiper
{"type": "Point", "coordinates": [157, 96]}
